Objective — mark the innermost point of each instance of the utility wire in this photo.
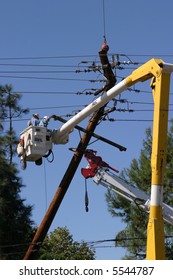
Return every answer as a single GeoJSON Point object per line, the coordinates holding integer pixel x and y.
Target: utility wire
{"type": "Point", "coordinates": [47, 57]}
{"type": "Point", "coordinates": [91, 244]}
{"type": "Point", "coordinates": [42, 65]}
{"type": "Point", "coordinates": [39, 71]}
{"type": "Point", "coordinates": [52, 78]}
{"type": "Point", "coordinates": [94, 242]}
{"type": "Point", "coordinates": [84, 92]}
{"type": "Point", "coordinates": [84, 55]}
{"type": "Point", "coordinates": [114, 120]}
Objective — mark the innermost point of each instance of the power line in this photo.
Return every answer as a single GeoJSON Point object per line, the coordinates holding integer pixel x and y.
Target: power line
{"type": "Point", "coordinates": [149, 55]}
{"type": "Point", "coordinates": [45, 92]}
{"type": "Point", "coordinates": [47, 57]}
{"type": "Point", "coordinates": [83, 55]}
{"type": "Point", "coordinates": [52, 78]}
{"type": "Point", "coordinates": [41, 65]}
{"type": "Point", "coordinates": [87, 242]}
{"type": "Point", "coordinates": [114, 120]}
{"type": "Point", "coordinates": [39, 71]}
{"type": "Point", "coordinates": [84, 92]}
{"type": "Point", "coordinates": [57, 107]}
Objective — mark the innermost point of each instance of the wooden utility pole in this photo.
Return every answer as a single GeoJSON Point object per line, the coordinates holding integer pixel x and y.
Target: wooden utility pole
{"type": "Point", "coordinates": [71, 170]}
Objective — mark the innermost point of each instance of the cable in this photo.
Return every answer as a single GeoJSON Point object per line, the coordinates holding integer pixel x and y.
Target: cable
{"type": "Point", "coordinates": [129, 120]}
{"type": "Point", "coordinates": [39, 72]}
{"type": "Point", "coordinates": [52, 78]}
{"type": "Point", "coordinates": [41, 65]}
{"type": "Point", "coordinates": [46, 57]}
{"type": "Point", "coordinates": [45, 92]}
{"type": "Point", "coordinates": [144, 55]}
{"type": "Point", "coordinates": [93, 243]}
{"type": "Point", "coordinates": [86, 92]}
{"type": "Point", "coordinates": [84, 55]}
{"type": "Point", "coordinates": [45, 185]}
{"type": "Point", "coordinates": [87, 242]}
{"type": "Point", "coordinates": [57, 107]}
{"type": "Point", "coordinates": [104, 21]}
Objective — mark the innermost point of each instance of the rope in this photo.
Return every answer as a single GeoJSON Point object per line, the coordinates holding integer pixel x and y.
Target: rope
{"type": "Point", "coordinates": [104, 21]}
{"type": "Point", "coordinates": [45, 185]}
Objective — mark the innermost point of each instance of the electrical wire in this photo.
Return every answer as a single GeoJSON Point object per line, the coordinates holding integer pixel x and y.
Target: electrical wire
{"type": "Point", "coordinates": [85, 92]}
{"type": "Point", "coordinates": [84, 55]}
{"type": "Point", "coordinates": [91, 244]}
{"type": "Point", "coordinates": [45, 92]}
{"type": "Point", "coordinates": [38, 72]}
{"type": "Point", "coordinates": [42, 65]}
{"type": "Point", "coordinates": [114, 120]}
{"type": "Point", "coordinates": [47, 57]}
{"type": "Point", "coordinates": [52, 78]}
{"type": "Point", "coordinates": [149, 55]}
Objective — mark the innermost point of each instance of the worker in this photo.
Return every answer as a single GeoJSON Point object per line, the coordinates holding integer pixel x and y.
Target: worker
{"type": "Point", "coordinates": [44, 122]}
{"type": "Point", "coordinates": [35, 120]}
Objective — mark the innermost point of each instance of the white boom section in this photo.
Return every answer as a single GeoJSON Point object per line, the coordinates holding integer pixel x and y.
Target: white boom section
{"type": "Point", "coordinates": [61, 135]}
{"type": "Point", "coordinates": [109, 180]}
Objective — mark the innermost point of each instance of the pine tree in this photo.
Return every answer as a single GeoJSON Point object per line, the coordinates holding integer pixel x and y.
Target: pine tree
{"type": "Point", "coordinates": [133, 237]}
{"type": "Point", "coordinates": [10, 108]}
{"type": "Point", "coordinates": [15, 222]}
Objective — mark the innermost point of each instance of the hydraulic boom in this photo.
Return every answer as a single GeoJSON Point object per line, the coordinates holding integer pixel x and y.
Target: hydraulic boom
{"type": "Point", "coordinates": [113, 182]}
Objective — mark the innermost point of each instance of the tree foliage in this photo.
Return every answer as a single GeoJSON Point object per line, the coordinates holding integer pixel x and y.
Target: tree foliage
{"type": "Point", "coordinates": [59, 245]}
{"type": "Point", "coordinates": [15, 222]}
{"type": "Point", "coordinates": [10, 109]}
{"type": "Point", "coordinates": [133, 237]}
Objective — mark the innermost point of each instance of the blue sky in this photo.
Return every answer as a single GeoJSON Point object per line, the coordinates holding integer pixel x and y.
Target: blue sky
{"type": "Point", "coordinates": [41, 37]}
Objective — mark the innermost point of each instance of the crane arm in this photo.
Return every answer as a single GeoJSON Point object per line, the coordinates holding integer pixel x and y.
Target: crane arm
{"type": "Point", "coordinates": [116, 184]}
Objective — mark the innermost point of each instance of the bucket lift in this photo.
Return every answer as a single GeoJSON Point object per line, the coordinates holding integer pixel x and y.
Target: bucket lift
{"type": "Point", "coordinates": [35, 143]}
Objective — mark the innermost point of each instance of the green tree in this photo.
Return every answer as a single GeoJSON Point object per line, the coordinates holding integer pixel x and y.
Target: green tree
{"type": "Point", "coordinates": [15, 222]}
{"type": "Point", "coordinates": [10, 109]}
{"type": "Point", "coordinates": [59, 245]}
{"type": "Point", "coordinates": [133, 237]}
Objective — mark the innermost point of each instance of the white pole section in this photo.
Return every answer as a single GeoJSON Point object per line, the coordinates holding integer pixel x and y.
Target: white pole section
{"type": "Point", "coordinates": [92, 107]}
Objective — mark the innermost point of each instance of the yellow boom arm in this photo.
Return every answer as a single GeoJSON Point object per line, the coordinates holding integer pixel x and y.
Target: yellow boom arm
{"type": "Point", "coordinates": [160, 74]}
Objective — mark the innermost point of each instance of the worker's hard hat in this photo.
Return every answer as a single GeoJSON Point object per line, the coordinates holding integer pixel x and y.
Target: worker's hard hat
{"type": "Point", "coordinates": [36, 115]}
